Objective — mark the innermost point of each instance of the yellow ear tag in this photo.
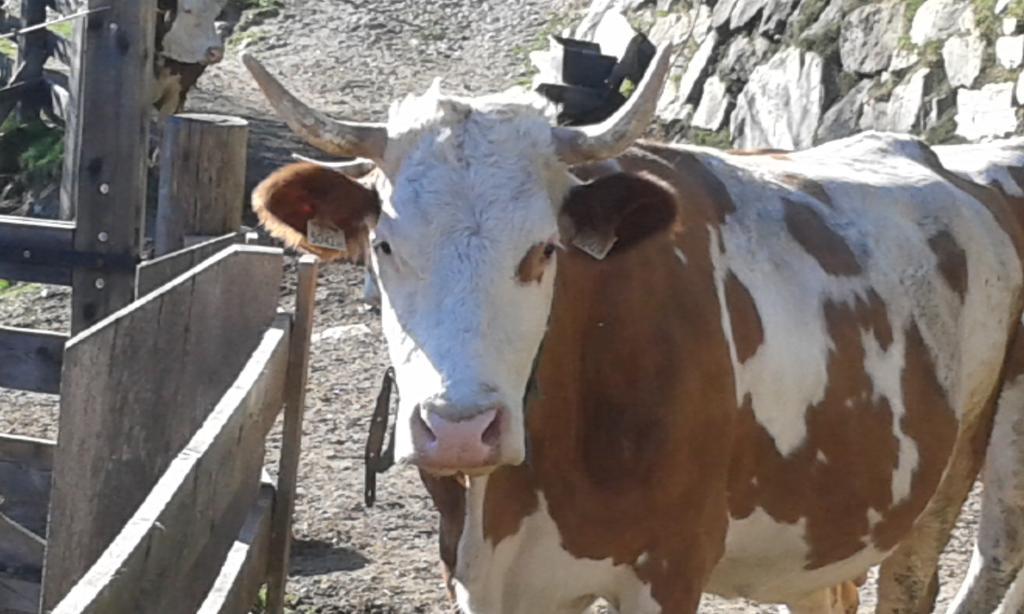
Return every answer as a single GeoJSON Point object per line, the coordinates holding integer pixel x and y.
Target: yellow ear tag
{"type": "Point", "coordinates": [324, 236]}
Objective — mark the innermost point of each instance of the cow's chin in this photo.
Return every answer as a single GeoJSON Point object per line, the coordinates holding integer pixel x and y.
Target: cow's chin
{"type": "Point", "coordinates": [458, 473]}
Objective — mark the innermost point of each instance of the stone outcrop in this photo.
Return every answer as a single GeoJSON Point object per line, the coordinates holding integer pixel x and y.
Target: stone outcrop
{"type": "Point", "coordinates": [792, 73]}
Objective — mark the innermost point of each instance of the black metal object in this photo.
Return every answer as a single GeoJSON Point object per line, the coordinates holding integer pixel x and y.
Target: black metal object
{"type": "Point", "coordinates": [377, 458]}
{"type": "Point", "coordinates": [590, 91]}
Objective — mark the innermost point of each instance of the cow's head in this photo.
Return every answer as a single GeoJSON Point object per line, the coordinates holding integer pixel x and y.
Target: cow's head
{"type": "Point", "coordinates": [462, 221]}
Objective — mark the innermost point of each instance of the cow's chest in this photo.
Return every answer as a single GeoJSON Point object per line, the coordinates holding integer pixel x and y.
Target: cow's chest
{"type": "Point", "coordinates": [529, 570]}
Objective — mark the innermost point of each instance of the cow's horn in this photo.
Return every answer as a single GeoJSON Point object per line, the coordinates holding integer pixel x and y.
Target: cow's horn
{"type": "Point", "coordinates": [350, 168]}
{"type": "Point", "coordinates": [334, 137]}
{"type": "Point", "coordinates": [612, 136]}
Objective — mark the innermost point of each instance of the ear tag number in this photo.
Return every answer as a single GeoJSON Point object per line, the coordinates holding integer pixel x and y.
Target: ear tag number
{"type": "Point", "coordinates": [321, 235]}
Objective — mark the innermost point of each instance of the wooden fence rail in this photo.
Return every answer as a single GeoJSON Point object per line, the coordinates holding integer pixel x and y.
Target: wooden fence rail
{"type": "Point", "coordinates": [190, 449]}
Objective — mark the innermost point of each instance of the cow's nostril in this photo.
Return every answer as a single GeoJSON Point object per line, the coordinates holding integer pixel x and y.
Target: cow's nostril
{"type": "Point", "coordinates": [492, 434]}
{"type": "Point", "coordinates": [419, 424]}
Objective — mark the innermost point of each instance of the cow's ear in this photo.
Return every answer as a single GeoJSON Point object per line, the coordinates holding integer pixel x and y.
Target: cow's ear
{"type": "Point", "coordinates": [318, 210]}
{"type": "Point", "coordinates": [616, 211]}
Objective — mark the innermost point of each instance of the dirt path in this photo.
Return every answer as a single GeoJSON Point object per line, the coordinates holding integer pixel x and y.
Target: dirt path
{"type": "Point", "coordinates": [352, 57]}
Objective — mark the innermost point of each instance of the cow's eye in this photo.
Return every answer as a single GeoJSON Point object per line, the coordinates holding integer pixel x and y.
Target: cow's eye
{"type": "Point", "coordinates": [383, 247]}
{"type": "Point", "coordinates": [549, 250]}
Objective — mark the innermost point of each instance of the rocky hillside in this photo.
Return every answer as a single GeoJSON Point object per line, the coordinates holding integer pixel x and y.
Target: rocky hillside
{"type": "Point", "coordinates": [791, 73]}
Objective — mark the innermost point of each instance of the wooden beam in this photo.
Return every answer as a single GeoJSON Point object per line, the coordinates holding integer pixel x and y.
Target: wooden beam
{"type": "Point", "coordinates": [20, 547]}
{"type": "Point", "coordinates": [32, 250]}
{"type": "Point", "coordinates": [144, 567]}
{"type": "Point", "coordinates": [30, 451]}
{"type": "Point", "coordinates": [18, 595]}
{"type": "Point", "coordinates": [32, 54]}
{"type": "Point", "coordinates": [136, 387]}
{"type": "Point", "coordinates": [245, 568]}
{"type": "Point", "coordinates": [291, 440]}
{"type": "Point", "coordinates": [106, 145]}
{"type": "Point", "coordinates": [154, 273]}
{"type": "Point", "coordinates": [202, 178]}
{"type": "Point", "coordinates": [31, 358]}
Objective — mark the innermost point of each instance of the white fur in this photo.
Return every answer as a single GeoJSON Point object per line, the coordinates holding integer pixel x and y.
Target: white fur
{"type": "Point", "coordinates": [531, 572]}
{"type": "Point", "coordinates": [193, 33]}
{"type": "Point", "coordinates": [471, 185]}
{"type": "Point", "coordinates": [885, 205]}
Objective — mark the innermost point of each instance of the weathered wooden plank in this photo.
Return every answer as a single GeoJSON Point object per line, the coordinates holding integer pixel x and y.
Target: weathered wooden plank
{"type": "Point", "coordinates": [32, 53]}
{"type": "Point", "coordinates": [19, 547]}
{"type": "Point", "coordinates": [245, 568]}
{"type": "Point", "coordinates": [107, 139]}
{"type": "Point", "coordinates": [136, 386]}
{"type": "Point", "coordinates": [31, 359]}
{"type": "Point", "coordinates": [291, 441]}
{"type": "Point", "coordinates": [154, 273]}
{"type": "Point", "coordinates": [30, 451]}
{"type": "Point", "coordinates": [18, 595]}
{"type": "Point", "coordinates": [202, 178]}
{"type": "Point", "coordinates": [30, 250]}
{"type": "Point", "coordinates": [26, 495]}
{"type": "Point", "coordinates": [195, 502]}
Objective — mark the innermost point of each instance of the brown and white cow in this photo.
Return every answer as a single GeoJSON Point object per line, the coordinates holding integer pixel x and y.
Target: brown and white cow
{"type": "Point", "coordinates": [188, 41]}
{"type": "Point", "coordinates": [643, 372]}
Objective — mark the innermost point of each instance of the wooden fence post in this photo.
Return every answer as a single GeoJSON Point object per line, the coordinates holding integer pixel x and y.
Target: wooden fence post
{"type": "Point", "coordinates": [104, 183]}
{"type": "Point", "coordinates": [31, 57]}
{"type": "Point", "coordinates": [291, 439]}
{"type": "Point", "coordinates": [202, 178]}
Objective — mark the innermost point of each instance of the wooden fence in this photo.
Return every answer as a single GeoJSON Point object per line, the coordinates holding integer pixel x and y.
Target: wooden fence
{"type": "Point", "coordinates": [153, 499]}
{"type": "Point", "coordinates": [173, 517]}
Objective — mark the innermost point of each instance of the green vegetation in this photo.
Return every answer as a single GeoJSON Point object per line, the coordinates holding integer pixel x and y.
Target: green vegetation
{"type": "Point", "coordinates": [719, 140]}
{"type": "Point", "coordinates": [245, 38]}
{"type": "Point", "coordinates": [290, 602]}
{"type": "Point", "coordinates": [944, 131]}
{"type": "Point", "coordinates": [8, 47]}
{"type": "Point", "coordinates": [10, 289]}
{"type": "Point", "coordinates": [31, 154]}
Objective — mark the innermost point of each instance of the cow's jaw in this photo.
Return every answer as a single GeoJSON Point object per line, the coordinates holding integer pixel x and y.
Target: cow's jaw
{"type": "Point", "coordinates": [469, 195]}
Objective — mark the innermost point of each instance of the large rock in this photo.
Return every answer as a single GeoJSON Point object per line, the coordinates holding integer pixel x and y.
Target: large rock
{"type": "Point", "coordinates": [595, 13]}
{"type": "Point", "coordinates": [1010, 51]}
{"type": "Point", "coordinates": [874, 115]}
{"type": "Point", "coordinates": [743, 11]}
{"type": "Point", "coordinates": [702, 23]}
{"type": "Point", "coordinates": [869, 36]}
{"type": "Point", "coordinates": [775, 17]}
{"type": "Point", "coordinates": [987, 112]}
{"type": "Point", "coordinates": [714, 105]}
{"type": "Point", "coordinates": [904, 58]}
{"type": "Point", "coordinates": [906, 104]}
{"type": "Point", "coordinates": [683, 84]}
{"type": "Point", "coordinates": [673, 28]}
{"type": "Point", "coordinates": [722, 12]}
{"type": "Point", "coordinates": [843, 118]}
{"type": "Point", "coordinates": [781, 105]}
{"type": "Point", "coordinates": [742, 56]}
{"type": "Point", "coordinates": [962, 58]}
{"type": "Point", "coordinates": [613, 33]}
{"type": "Point", "coordinates": [939, 19]}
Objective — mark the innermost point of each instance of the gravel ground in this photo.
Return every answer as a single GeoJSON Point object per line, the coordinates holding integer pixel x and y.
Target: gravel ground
{"type": "Point", "coordinates": [352, 58]}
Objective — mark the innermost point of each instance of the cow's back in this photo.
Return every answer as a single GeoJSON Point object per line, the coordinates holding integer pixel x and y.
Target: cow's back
{"type": "Point", "coordinates": [867, 296]}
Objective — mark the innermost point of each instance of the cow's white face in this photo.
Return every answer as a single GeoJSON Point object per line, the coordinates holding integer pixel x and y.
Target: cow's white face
{"type": "Point", "coordinates": [464, 253]}
{"type": "Point", "coordinates": [472, 199]}
{"type": "Point", "coordinates": [193, 37]}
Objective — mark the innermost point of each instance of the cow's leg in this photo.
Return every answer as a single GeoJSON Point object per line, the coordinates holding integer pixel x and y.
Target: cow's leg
{"type": "Point", "coordinates": [999, 551]}
{"type": "Point", "coordinates": [908, 581]}
{"type": "Point", "coordinates": [842, 598]}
